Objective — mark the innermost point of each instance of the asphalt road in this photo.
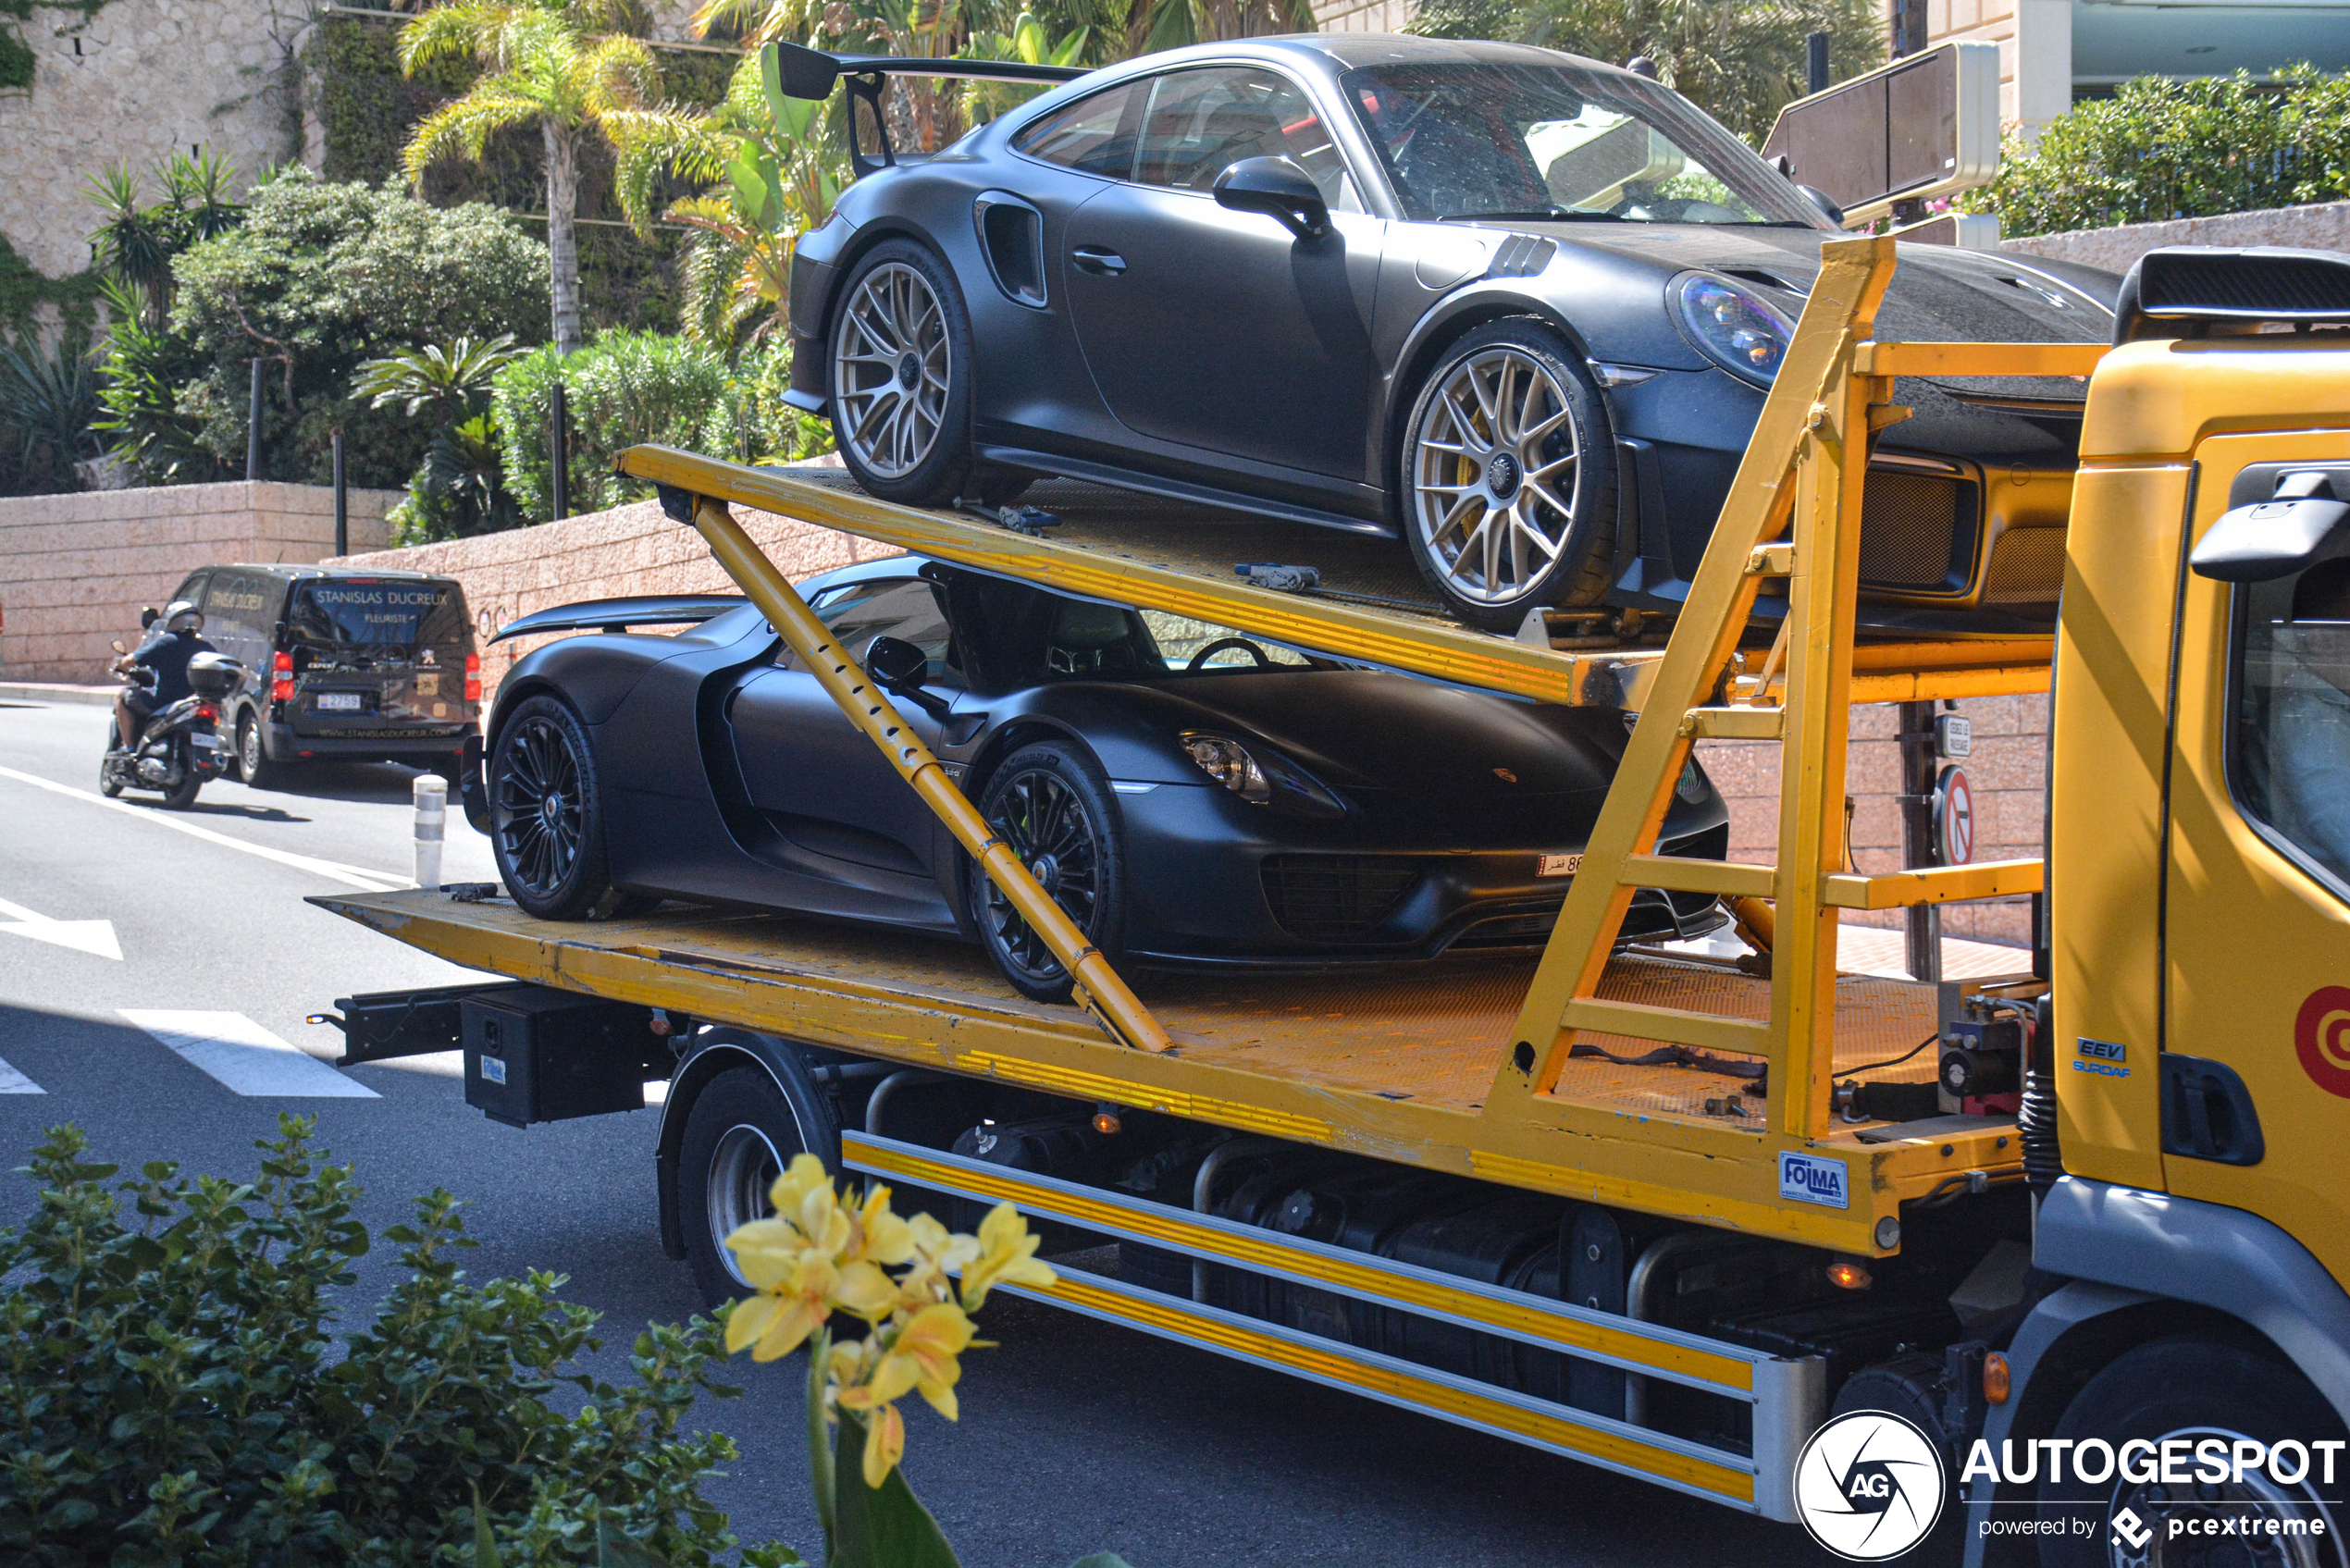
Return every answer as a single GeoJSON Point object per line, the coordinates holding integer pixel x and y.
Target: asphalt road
{"type": "Point", "coordinates": [1075, 1436]}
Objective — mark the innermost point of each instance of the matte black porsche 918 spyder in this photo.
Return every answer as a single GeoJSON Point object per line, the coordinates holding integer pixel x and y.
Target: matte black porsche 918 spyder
{"type": "Point", "coordinates": [1187, 794]}
{"type": "Point", "coordinates": [1518, 308]}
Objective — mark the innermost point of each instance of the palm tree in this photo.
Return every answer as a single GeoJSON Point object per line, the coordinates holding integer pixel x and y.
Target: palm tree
{"type": "Point", "coordinates": [571, 67]}
{"type": "Point", "coordinates": [443, 382]}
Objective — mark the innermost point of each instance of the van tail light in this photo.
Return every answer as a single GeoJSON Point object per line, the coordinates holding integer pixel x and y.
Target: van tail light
{"type": "Point", "coordinates": [281, 686]}
{"type": "Point", "coordinates": [472, 677]}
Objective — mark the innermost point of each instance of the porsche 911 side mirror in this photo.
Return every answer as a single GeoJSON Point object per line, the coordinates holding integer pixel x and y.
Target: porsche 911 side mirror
{"type": "Point", "coordinates": [1279, 189]}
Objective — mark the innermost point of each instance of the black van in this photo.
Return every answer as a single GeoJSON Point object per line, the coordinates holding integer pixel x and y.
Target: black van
{"type": "Point", "coordinates": [356, 666]}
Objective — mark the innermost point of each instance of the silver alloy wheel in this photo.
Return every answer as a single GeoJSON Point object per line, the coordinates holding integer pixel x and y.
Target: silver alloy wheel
{"type": "Point", "coordinates": [743, 1168]}
{"type": "Point", "coordinates": [892, 363]}
{"type": "Point", "coordinates": [2155, 1505]}
{"type": "Point", "coordinates": [1493, 464]}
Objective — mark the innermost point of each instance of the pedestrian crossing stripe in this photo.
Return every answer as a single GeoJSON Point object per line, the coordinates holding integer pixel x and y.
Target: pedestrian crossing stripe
{"type": "Point", "coordinates": [245, 1058]}
{"type": "Point", "coordinates": [14, 1082]}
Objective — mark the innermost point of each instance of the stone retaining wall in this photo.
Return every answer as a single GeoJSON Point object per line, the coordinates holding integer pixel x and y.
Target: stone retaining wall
{"type": "Point", "coordinates": [2324, 226]}
{"type": "Point", "coordinates": [75, 569]}
{"type": "Point", "coordinates": [630, 549]}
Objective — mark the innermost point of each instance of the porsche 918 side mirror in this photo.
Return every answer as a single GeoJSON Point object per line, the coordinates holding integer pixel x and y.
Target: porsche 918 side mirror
{"type": "Point", "coordinates": [897, 662]}
{"type": "Point", "coordinates": [1279, 189]}
{"type": "Point", "coordinates": [900, 668]}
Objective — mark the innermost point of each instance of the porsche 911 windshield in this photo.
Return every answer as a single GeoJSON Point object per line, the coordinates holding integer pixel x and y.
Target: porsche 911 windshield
{"type": "Point", "coordinates": [1491, 140]}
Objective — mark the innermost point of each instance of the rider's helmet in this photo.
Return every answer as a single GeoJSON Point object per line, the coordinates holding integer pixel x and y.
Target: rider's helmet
{"type": "Point", "coordinates": [183, 616]}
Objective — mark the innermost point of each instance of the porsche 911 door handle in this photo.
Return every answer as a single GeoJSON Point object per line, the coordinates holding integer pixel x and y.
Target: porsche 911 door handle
{"type": "Point", "coordinates": [1097, 261]}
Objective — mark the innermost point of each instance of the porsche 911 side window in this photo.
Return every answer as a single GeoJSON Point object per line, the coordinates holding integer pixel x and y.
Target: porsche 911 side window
{"type": "Point", "coordinates": [1201, 122]}
{"type": "Point", "coordinates": [1094, 135]}
{"type": "Point", "coordinates": [1490, 139]}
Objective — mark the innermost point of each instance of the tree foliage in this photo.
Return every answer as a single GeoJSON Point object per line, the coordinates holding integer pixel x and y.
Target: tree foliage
{"type": "Point", "coordinates": [318, 279]}
{"type": "Point", "coordinates": [2162, 148]}
{"type": "Point", "coordinates": [628, 388]}
{"type": "Point", "coordinates": [173, 1393]}
{"type": "Point", "coordinates": [1740, 61]}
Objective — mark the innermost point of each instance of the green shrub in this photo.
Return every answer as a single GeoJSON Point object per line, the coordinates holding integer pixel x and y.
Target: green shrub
{"type": "Point", "coordinates": [319, 277]}
{"type": "Point", "coordinates": [172, 1393]}
{"type": "Point", "coordinates": [2162, 149]}
{"type": "Point", "coordinates": [628, 388]}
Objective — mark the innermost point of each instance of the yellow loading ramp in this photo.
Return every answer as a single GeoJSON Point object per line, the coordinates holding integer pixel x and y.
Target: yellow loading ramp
{"type": "Point", "coordinates": [1467, 1067]}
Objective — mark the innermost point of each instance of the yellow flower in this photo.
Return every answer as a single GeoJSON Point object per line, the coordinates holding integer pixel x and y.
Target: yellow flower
{"type": "Point", "coordinates": [1007, 1256]}
{"type": "Point", "coordinates": [921, 1358]}
{"type": "Point", "coordinates": [937, 1251]}
{"type": "Point", "coordinates": [884, 1444]}
{"type": "Point", "coordinates": [881, 1235]}
{"type": "Point", "coordinates": [795, 1297]}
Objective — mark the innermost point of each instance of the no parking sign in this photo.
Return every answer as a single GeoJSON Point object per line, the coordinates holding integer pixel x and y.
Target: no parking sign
{"type": "Point", "coordinates": [1954, 818]}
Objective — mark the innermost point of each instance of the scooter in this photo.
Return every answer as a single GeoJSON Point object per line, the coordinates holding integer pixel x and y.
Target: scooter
{"type": "Point", "coordinates": [179, 748]}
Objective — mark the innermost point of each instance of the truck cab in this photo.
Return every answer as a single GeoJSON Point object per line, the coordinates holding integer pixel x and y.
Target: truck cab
{"type": "Point", "coordinates": [2198, 1029]}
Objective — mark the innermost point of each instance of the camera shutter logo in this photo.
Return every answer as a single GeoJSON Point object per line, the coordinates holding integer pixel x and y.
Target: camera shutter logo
{"type": "Point", "coordinates": [1869, 1486]}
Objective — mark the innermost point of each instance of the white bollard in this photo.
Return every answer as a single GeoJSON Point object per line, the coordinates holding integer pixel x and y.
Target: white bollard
{"type": "Point", "coordinates": [432, 815]}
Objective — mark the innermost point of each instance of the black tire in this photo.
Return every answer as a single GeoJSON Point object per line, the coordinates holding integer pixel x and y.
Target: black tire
{"type": "Point", "coordinates": [739, 1116]}
{"type": "Point", "coordinates": [254, 765]}
{"type": "Point", "coordinates": [1055, 791]}
{"type": "Point", "coordinates": [1562, 554]}
{"type": "Point", "coordinates": [547, 814]}
{"type": "Point", "coordinates": [904, 428]}
{"type": "Point", "coordinates": [109, 781]}
{"type": "Point", "coordinates": [181, 795]}
{"type": "Point", "coordinates": [2180, 1387]}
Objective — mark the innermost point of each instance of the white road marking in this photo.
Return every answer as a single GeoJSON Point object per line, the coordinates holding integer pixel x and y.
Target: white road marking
{"type": "Point", "coordinates": [245, 1058]}
{"type": "Point", "coordinates": [82, 936]}
{"type": "Point", "coordinates": [14, 1082]}
{"type": "Point", "coordinates": [350, 876]}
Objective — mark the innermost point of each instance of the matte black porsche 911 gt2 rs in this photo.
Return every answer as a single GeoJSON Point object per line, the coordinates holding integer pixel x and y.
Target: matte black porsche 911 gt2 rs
{"type": "Point", "coordinates": [1188, 794]}
{"type": "Point", "coordinates": [1518, 308]}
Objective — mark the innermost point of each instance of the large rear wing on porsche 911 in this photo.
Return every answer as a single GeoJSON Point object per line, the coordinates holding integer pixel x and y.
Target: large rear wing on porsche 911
{"type": "Point", "coordinates": [811, 74]}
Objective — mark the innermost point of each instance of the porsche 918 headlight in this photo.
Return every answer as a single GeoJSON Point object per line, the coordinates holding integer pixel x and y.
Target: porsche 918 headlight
{"type": "Point", "coordinates": [1737, 327]}
{"type": "Point", "coordinates": [1260, 775]}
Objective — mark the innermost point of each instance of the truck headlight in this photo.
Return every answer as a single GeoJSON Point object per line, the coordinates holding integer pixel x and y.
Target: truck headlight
{"type": "Point", "coordinates": [1734, 327]}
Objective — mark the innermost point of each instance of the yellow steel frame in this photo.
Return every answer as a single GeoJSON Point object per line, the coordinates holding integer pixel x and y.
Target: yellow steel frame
{"type": "Point", "coordinates": [1793, 516]}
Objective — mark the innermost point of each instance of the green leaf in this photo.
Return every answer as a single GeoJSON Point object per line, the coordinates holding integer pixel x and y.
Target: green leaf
{"type": "Point", "coordinates": [616, 1551]}
{"type": "Point", "coordinates": [771, 85]}
{"type": "Point", "coordinates": [819, 1444]}
{"type": "Point", "coordinates": [485, 1548]}
{"type": "Point", "coordinates": [883, 1527]}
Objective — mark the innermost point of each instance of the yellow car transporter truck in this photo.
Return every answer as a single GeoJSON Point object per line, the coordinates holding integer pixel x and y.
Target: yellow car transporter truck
{"type": "Point", "coordinates": [1675, 1217]}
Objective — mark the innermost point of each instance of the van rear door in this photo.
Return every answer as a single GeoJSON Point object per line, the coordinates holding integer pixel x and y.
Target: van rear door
{"type": "Point", "coordinates": [380, 657]}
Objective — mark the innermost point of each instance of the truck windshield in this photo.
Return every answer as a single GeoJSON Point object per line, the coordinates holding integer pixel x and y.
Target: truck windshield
{"type": "Point", "coordinates": [1525, 140]}
{"type": "Point", "coordinates": [378, 617]}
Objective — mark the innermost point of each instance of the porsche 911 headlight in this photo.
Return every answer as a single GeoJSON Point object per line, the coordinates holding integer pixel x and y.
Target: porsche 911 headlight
{"type": "Point", "coordinates": [1260, 775]}
{"type": "Point", "coordinates": [1735, 327]}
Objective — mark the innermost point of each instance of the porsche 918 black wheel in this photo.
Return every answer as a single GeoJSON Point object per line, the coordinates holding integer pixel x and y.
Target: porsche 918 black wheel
{"type": "Point", "coordinates": [1508, 479]}
{"type": "Point", "coordinates": [901, 372]}
{"type": "Point", "coordinates": [546, 814]}
{"type": "Point", "coordinates": [1053, 806]}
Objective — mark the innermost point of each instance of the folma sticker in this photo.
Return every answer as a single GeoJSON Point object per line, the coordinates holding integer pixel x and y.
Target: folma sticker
{"type": "Point", "coordinates": [494, 1071]}
{"type": "Point", "coordinates": [1807, 1179]}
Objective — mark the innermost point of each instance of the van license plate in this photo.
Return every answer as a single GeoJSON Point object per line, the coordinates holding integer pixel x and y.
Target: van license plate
{"type": "Point", "coordinates": [337, 702]}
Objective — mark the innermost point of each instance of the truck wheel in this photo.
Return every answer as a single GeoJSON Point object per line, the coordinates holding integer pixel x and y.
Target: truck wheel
{"type": "Point", "coordinates": [1506, 480]}
{"type": "Point", "coordinates": [2191, 1387]}
{"type": "Point", "coordinates": [1051, 803]}
{"type": "Point", "coordinates": [547, 813]}
{"type": "Point", "coordinates": [740, 1136]}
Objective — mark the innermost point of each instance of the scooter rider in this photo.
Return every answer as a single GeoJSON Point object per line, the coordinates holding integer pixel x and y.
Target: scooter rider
{"type": "Point", "coordinates": [178, 638]}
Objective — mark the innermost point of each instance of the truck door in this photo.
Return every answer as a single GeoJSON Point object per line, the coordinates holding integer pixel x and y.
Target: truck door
{"type": "Point", "coordinates": [2256, 1059]}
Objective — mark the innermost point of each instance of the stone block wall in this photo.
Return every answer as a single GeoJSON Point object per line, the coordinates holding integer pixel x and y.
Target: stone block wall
{"type": "Point", "coordinates": [2323, 226]}
{"type": "Point", "coordinates": [630, 549]}
{"type": "Point", "coordinates": [75, 569]}
{"type": "Point", "coordinates": [2008, 773]}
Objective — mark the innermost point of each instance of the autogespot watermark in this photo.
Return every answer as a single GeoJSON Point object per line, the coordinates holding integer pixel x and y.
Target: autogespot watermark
{"type": "Point", "coordinates": [1869, 1486]}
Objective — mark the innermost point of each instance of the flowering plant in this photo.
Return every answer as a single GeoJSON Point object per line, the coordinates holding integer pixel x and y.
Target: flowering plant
{"type": "Point", "coordinates": [914, 1285]}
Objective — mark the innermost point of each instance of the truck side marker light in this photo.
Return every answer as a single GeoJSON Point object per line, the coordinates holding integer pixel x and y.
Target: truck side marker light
{"type": "Point", "coordinates": [1995, 1377]}
{"type": "Point", "coordinates": [1847, 1275]}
